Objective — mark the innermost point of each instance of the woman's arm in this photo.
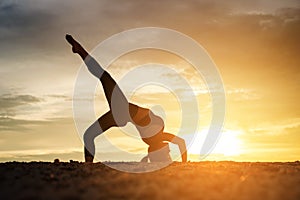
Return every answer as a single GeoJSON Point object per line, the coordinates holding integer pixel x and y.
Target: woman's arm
{"type": "Point", "coordinates": [179, 141]}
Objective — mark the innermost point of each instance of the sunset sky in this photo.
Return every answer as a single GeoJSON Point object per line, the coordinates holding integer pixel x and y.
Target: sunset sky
{"type": "Point", "coordinates": [255, 45]}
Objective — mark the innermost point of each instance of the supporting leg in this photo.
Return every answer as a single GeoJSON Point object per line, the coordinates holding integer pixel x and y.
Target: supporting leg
{"type": "Point", "coordinates": [105, 122]}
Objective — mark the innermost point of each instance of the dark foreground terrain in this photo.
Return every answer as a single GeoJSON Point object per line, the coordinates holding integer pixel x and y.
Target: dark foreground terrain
{"type": "Point", "coordinates": [195, 180]}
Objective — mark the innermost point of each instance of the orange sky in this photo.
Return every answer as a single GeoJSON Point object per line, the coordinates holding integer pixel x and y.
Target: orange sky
{"type": "Point", "coordinates": [254, 44]}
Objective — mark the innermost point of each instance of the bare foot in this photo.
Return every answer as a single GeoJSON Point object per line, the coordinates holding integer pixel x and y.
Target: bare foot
{"type": "Point", "coordinates": [76, 47]}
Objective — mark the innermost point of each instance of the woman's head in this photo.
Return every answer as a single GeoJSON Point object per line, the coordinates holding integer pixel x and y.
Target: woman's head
{"type": "Point", "coordinates": [159, 152]}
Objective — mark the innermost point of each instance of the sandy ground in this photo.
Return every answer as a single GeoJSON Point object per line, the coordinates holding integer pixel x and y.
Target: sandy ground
{"type": "Point", "coordinates": [201, 180]}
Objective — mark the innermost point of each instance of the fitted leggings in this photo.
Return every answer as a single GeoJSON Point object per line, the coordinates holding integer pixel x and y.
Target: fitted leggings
{"type": "Point", "coordinates": [117, 116]}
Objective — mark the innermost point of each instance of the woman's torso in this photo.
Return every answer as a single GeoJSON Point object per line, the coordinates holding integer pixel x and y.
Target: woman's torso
{"type": "Point", "coordinates": [149, 125]}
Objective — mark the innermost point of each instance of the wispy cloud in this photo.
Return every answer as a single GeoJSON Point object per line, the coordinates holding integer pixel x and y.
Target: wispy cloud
{"type": "Point", "coordinates": [283, 127]}
{"type": "Point", "coordinates": [10, 101]}
{"type": "Point", "coordinates": [19, 112]}
{"type": "Point", "coordinates": [242, 94]}
{"type": "Point", "coordinates": [12, 124]}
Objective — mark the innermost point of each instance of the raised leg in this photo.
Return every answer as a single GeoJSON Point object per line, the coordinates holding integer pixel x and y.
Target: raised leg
{"type": "Point", "coordinates": [117, 101]}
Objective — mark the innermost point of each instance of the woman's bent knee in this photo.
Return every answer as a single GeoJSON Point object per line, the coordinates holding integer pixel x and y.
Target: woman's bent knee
{"type": "Point", "coordinates": [93, 131]}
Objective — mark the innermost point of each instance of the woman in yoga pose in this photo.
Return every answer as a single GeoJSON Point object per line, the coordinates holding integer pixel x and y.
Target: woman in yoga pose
{"type": "Point", "coordinates": [149, 125]}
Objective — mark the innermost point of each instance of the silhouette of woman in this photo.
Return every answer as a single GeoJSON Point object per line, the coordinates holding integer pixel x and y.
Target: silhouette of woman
{"type": "Point", "coordinates": [149, 125]}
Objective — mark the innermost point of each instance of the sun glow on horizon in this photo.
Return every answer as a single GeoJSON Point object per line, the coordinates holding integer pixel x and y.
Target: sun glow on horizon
{"type": "Point", "coordinates": [228, 144]}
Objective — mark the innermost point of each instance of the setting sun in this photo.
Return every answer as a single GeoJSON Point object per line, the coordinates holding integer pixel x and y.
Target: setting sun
{"type": "Point", "coordinates": [229, 143]}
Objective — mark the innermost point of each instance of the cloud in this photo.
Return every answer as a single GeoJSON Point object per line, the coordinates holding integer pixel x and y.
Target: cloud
{"type": "Point", "coordinates": [285, 127]}
{"type": "Point", "coordinates": [17, 18]}
{"type": "Point", "coordinates": [279, 139]}
{"type": "Point", "coordinates": [11, 124]}
{"type": "Point", "coordinates": [8, 101]}
{"type": "Point", "coordinates": [28, 17]}
{"type": "Point", "coordinates": [242, 94]}
{"type": "Point", "coordinates": [21, 125]}
{"type": "Point", "coordinates": [11, 104]}
{"type": "Point", "coordinates": [19, 112]}
{"type": "Point", "coordinates": [44, 24]}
